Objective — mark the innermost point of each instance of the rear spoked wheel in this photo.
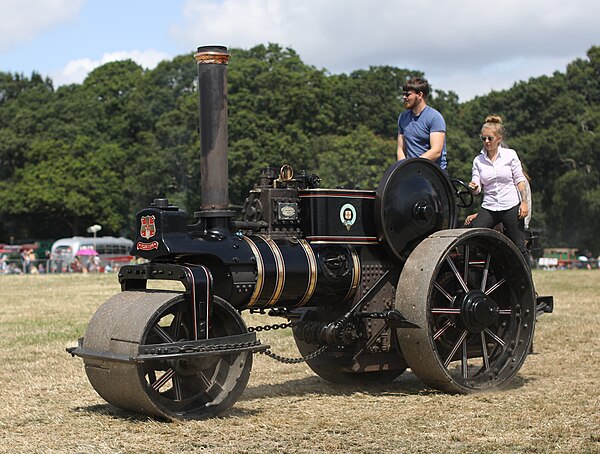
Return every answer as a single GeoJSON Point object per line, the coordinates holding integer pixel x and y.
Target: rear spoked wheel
{"type": "Point", "coordinates": [471, 295]}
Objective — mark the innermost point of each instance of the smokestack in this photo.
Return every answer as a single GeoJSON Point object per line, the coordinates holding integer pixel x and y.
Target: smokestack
{"type": "Point", "coordinates": [212, 87]}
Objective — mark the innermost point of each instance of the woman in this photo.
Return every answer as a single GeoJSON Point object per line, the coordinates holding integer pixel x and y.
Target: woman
{"type": "Point", "coordinates": [498, 172]}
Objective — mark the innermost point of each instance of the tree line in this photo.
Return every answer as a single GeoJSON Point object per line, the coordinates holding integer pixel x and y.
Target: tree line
{"type": "Point", "coordinates": [99, 151]}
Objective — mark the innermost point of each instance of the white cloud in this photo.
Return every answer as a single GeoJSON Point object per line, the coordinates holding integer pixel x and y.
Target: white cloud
{"type": "Point", "coordinates": [77, 70]}
{"type": "Point", "coordinates": [23, 20]}
{"type": "Point", "coordinates": [469, 82]}
{"type": "Point", "coordinates": [450, 39]}
{"type": "Point", "coordinates": [461, 45]}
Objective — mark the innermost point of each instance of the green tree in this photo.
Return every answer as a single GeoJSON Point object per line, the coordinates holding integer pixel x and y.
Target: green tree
{"type": "Point", "coordinates": [370, 97]}
{"type": "Point", "coordinates": [74, 183]}
{"type": "Point", "coordinates": [339, 157]}
{"type": "Point", "coordinates": [107, 147]}
{"type": "Point", "coordinates": [116, 88]}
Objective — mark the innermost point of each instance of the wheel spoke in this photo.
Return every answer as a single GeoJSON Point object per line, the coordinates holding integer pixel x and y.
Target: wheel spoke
{"type": "Point", "coordinates": [486, 270]}
{"type": "Point", "coordinates": [443, 292]}
{"type": "Point", "coordinates": [205, 380]}
{"type": "Point", "coordinates": [151, 376]}
{"type": "Point", "coordinates": [177, 321]}
{"type": "Point", "coordinates": [495, 286]}
{"type": "Point", "coordinates": [446, 310]}
{"type": "Point", "coordinates": [177, 388]}
{"type": "Point", "coordinates": [465, 365]}
{"type": "Point", "coordinates": [457, 274]}
{"type": "Point", "coordinates": [486, 359]}
{"type": "Point", "coordinates": [442, 330]}
{"type": "Point", "coordinates": [495, 337]}
{"type": "Point", "coordinates": [467, 251]}
{"type": "Point", "coordinates": [163, 380]}
{"type": "Point", "coordinates": [160, 331]}
{"type": "Point", "coordinates": [461, 339]}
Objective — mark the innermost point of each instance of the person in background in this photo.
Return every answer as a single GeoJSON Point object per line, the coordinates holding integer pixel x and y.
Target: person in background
{"type": "Point", "coordinates": [421, 129]}
{"type": "Point", "coordinates": [497, 171]}
{"type": "Point", "coordinates": [3, 263]}
{"type": "Point", "coordinates": [77, 266]}
{"type": "Point", "coordinates": [25, 261]}
{"type": "Point", "coordinates": [527, 218]}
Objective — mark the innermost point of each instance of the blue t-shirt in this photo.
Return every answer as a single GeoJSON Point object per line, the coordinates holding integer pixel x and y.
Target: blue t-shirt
{"type": "Point", "coordinates": [416, 131]}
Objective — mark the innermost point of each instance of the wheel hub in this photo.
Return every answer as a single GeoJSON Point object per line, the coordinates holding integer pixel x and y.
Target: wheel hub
{"type": "Point", "coordinates": [190, 367]}
{"type": "Point", "coordinates": [423, 211]}
{"type": "Point", "coordinates": [478, 311]}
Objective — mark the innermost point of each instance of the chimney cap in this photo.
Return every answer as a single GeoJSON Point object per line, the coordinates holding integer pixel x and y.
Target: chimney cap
{"type": "Point", "coordinates": [215, 48]}
{"type": "Point", "coordinates": [212, 54]}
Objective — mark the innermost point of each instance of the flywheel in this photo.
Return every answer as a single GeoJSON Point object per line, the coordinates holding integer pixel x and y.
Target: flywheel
{"type": "Point", "coordinates": [413, 200]}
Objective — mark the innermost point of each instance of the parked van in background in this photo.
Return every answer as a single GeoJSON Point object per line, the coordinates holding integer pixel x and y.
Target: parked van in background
{"type": "Point", "coordinates": [102, 253]}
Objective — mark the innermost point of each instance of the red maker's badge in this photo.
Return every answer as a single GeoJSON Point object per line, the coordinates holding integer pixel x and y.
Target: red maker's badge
{"type": "Point", "coordinates": [147, 226]}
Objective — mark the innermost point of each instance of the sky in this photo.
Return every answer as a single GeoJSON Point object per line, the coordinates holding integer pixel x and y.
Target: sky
{"type": "Point", "coordinates": [468, 46]}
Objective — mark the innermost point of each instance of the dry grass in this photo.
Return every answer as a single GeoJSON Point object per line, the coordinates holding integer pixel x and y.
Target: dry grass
{"type": "Point", "coordinates": [47, 404]}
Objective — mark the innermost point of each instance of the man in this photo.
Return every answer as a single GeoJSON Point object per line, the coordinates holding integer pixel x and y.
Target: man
{"type": "Point", "coordinates": [421, 129]}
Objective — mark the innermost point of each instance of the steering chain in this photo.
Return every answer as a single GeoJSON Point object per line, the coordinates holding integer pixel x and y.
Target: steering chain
{"type": "Point", "coordinates": [284, 359]}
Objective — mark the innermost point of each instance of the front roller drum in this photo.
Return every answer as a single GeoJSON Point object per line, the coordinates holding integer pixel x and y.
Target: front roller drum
{"type": "Point", "coordinates": [184, 388]}
{"type": "Point", "coordinates": [471, 295]}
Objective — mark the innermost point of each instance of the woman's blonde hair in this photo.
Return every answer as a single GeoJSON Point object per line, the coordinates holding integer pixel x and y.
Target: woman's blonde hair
{"type": "Point", "coordinates": [494, 122]}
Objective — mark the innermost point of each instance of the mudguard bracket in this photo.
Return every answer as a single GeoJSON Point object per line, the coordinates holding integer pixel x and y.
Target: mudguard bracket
{"type": "Point", "coordinates": [196, 279]}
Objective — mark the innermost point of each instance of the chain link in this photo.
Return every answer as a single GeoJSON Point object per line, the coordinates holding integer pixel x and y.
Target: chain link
{"type": "Point", "coordinates": [283, 359]}
{"type": "Point", "coordinates": [275, 326]}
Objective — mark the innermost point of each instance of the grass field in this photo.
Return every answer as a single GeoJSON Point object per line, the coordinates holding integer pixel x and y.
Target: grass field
{"type": "Point", "coordinates": [47, 404]}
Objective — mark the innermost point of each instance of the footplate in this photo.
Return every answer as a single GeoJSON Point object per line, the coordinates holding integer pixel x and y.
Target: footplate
{"type": "Point", "coordinates": [246, 342]}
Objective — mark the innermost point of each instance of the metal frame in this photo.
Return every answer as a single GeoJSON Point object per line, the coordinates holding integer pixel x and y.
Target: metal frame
{"type": "Point", "coordinates": [197, 280]}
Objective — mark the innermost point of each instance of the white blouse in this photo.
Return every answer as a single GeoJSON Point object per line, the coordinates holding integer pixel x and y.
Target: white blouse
{"type": "Point", "coordinates": [498, 180]}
